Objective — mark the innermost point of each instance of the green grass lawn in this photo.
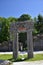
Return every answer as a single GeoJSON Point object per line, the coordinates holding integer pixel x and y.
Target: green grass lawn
{"type": "Point", "coordinates": [5, 56]}
{"type": "Point", "coordinates": [10, 57]}
{"type": "Point", "coordinates": [36, 57]}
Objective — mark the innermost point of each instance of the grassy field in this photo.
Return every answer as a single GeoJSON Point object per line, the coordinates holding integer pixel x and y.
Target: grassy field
{"type": "Point", "coordinates": [20, 57]}
{"type": "Point", "coordinates": [36, 57]}
{"type": "Point", "coordinates": [5, 56]}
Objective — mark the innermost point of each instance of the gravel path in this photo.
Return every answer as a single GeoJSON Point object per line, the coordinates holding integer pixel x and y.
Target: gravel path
{"type": "Point", "coordinates": [36, 52]}
{"type": "Point", "coordinates": [29, 63]}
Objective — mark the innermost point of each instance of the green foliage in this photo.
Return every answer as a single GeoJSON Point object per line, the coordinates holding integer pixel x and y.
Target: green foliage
{"type": "Point", "coordinates": [4, 32]}
{"type": "Point", "coordinates": [12, 19]}
{"type": "Point", "coordinates": [24, 17]}
{"type": "Point", "coordinates": [4, 28]}
{"type": "Point", "coordinates": [39, 24]}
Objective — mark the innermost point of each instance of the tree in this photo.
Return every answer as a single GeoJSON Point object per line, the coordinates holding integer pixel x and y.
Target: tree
{"type": "Point", "coordinates": [4, 27]}
{"type": "Point", "coordinates": [35, 32]}
{"type": "Point", "coordinates": [24, 17]}
{"type": "Point", "coordinates": [12, 19]}
{"type": "Point", "coordinates": [39, 24]}
{"type": "Point", "coordinates": [4, 32]}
